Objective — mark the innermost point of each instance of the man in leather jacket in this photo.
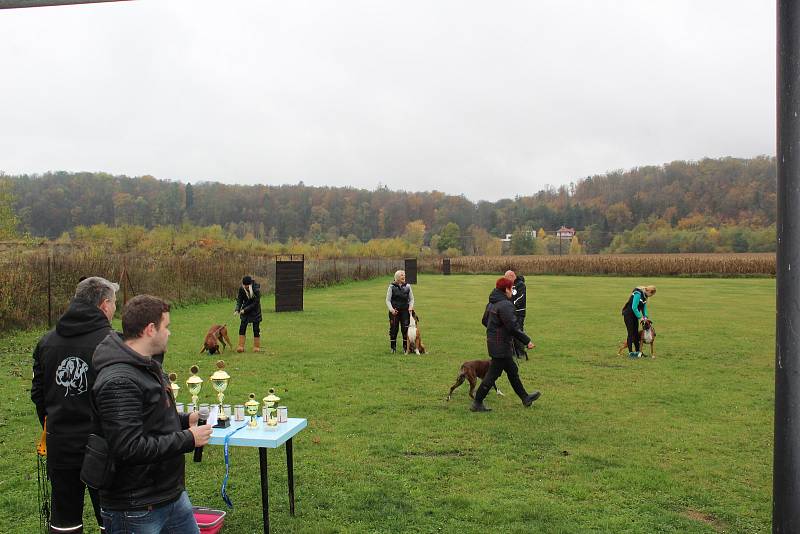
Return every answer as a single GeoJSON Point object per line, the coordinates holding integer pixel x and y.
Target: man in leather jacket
{"type": "Point", "coordinates": [62, 378]}
{"type": "Point", "coordinates": [147, 437]}
{"type": "Point", "coordinates": [518, 297]}
{"type": "Point", "coordinates": [501, 329]}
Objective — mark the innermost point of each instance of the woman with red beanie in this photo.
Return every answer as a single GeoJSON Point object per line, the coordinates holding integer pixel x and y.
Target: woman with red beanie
{"type": "Point", "coordinates": [501, 329]}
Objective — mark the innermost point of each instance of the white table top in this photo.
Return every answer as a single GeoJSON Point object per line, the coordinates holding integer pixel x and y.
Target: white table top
{"type": "Point", "coordinates": [261, 436]}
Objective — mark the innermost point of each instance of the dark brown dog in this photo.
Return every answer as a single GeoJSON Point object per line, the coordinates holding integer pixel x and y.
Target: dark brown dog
{"type": "Point", "coordinates": [217, 334]}
{"type": "Point", "coordinates": [472, 371]}
{"type": "Point", "coordinates": [647, 336]}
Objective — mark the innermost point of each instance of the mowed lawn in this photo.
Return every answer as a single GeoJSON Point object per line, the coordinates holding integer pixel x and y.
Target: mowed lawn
{"type": "Point", "coordinates": [681, 443]}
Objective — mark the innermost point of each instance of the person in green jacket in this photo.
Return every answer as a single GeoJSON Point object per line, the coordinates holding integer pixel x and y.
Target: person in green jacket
{"type": "Point", "coordinates": [634, 311]}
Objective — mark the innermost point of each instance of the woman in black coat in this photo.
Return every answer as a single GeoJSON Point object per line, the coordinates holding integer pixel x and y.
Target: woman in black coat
{"type": "Point", "coordinates": [501, 329]}
{"type": "Point", "coordinates": [248, 308]}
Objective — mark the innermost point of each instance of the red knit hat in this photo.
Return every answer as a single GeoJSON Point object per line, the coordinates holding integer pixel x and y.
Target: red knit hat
{"type": "Point", "coordinates": [503, 283]}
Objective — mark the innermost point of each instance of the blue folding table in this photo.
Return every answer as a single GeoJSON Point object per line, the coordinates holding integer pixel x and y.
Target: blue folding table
{"type": "Point", "coordinates": [264, 438]}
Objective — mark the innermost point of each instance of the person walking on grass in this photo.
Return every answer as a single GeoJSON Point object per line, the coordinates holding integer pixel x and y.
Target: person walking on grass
{"type": "Point", "coordinates": [400, 301]}
{"type": "Point", "coordinates": [63, 376]}
{"type": "Point", "coordinates": [635, 311]}
{"type": "Point", "coordinates": [248, 308]}
{"type": "Point", "coordinates": [501, 328]}
{"type": "Point", "coordinates": [519, 295]}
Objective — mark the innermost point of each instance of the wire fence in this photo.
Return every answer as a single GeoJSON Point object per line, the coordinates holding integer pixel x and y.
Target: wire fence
{"type": "Point", "coordinates": [36, 286]}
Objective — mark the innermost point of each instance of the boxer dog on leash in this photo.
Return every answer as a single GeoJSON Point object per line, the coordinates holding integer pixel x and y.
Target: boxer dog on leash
{"type": "Point", "coordinates": [647, 336]}
{"type": "Point", "coordinates": [472, 371]}
{"type": "Point", "coordinates": [414, 343]}
{"type": "Point", "coordinates": [217, 334]}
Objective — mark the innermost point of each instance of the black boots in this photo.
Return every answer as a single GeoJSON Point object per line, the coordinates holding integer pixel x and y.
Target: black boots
{"type": "Point", "coordinates": [393, 345]}
{"type": "Point", "coordinates": [527, 401]}
{"type": "Point", "coordinates": [479, 407]}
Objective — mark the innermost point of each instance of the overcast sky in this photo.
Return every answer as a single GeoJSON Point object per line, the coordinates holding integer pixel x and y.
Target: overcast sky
{"type": "Point", "coordinates": [485, 99]}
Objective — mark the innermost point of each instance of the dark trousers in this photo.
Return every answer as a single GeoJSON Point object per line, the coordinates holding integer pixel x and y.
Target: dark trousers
{"type": "Point", "coordinates": [632, 324]}
{"type": "Point", "coordinates": [66, 500]}
{"type": "Point", "coordinates": [496, 368]}
{"type": "Point", "coordinates": [256, 329]}
{"type": "Point", "coordinates": [519, 346]}
{"type": "Point", "coordinates": [399, 321]}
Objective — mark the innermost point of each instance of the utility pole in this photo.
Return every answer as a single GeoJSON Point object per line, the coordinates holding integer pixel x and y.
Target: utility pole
{"type": "Point", "coordinates": [786, 461]}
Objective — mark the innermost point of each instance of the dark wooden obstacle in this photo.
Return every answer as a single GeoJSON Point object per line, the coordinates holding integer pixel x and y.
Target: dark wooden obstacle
{"type": "Point", "coordinates": [289, 277]}
{"type": "Point", "coordinates": [446, 266]}
{"type": "Point", "coordinates": [411, 270]}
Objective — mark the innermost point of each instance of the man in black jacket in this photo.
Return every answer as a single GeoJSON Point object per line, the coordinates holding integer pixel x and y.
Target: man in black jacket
{"type": "Point", "coordinates": [518, 298]}
{"type": "Point", "coordinates": [501, 328]}
{"type": "Point", "coordinates": [248, 308]}
{"type": "Point", "coordinates": [146, 436]}
{"type": "Point", "coordinates": [62, 378]}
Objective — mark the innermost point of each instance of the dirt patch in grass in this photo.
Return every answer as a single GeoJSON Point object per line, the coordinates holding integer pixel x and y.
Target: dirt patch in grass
{"type": "Point", "coordinates": [708, 519]}
{"type": "Point", "coordinates": [450, 453]}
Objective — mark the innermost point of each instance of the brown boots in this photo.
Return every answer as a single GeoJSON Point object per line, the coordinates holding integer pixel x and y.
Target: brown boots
{"type": "Point", "coordinates": [256, 344]}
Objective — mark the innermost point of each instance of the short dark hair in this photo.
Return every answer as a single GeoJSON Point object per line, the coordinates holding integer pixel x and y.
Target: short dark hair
{"type": "Point", "coordinates": [139, 312]}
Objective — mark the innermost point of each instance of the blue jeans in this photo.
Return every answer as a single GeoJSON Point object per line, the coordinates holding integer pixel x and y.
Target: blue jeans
{"type": "Point", "coordinates": [173, 518]}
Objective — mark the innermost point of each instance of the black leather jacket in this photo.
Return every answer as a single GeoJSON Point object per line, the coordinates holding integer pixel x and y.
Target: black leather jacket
{"type": "Point", "coordinates": [501, 326]}
{"type": "Point", "coordinates": [519, 295]}
{"type": "Point", "coordinates": [62, 378]}
{"type": "Point", "coordinates": [135, 411]}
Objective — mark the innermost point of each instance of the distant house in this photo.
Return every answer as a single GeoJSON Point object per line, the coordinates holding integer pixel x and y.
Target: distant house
{"type": "Point", "coordinates": [565, 233]}
{"type": "Point", "coordinates": [505, 244]}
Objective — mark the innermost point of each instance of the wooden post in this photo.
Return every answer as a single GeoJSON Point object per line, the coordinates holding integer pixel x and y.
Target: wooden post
{"type": "Point", "coordinates": [49, 289]}
{"type": "Point", "coordinates": [122, 278]}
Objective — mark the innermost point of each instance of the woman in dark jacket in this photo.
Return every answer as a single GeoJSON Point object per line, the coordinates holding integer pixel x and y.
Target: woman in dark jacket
{"type": "Point", "coordinates": [501, 328]}
{"type": "Point", "coordinates": [248, 308]}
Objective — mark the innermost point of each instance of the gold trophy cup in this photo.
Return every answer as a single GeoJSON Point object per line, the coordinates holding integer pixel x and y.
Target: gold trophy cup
{"type": "Point", "coordinates": [173, 384]}
{"type": "Point", "coordinates": [219, 381]}
{"type": "Point", "coordinates": [194, 383]}
{"type": "Point", "coordinates": [272, 412]}
{"type": "Point", "coordinates": [252, 409]}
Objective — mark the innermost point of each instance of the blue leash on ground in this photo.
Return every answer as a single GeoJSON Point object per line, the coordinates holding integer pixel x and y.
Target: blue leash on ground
{"type": "Point", "coordinates": [227, 469]}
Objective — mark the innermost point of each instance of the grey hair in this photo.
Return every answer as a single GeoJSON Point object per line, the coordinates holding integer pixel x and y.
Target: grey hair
{"type": "Point", "coordinates": [398, 274]}
{"type": "Point", "coordinates": [94, 290]}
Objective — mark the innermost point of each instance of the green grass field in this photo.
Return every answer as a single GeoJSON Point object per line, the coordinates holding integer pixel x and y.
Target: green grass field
{"type": "Point", "coordinates": [682, 443]}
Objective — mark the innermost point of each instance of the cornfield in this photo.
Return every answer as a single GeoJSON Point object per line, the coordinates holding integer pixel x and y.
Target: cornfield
{"type": "Point", "coordinates": [723, 265]}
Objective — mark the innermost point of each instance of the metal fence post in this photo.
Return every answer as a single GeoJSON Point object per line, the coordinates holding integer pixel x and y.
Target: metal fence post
{"type": "Point", "coordinates": [786, 464]}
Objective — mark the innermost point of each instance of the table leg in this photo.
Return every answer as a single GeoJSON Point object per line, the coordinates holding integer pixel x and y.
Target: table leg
{"type": "Point", "coordinates": [290, 470]}
{"type": "Point", "coordinates": [262, 460]}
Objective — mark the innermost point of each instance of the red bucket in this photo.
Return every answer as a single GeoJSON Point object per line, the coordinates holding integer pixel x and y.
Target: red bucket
{"type": "Point", "coordinates": [210, 521]}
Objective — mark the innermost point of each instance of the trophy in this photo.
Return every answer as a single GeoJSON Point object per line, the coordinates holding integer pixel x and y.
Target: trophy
{"type": "Point", "coordinates": [271, 413]}
{"type": "Point", "coordinates": [173, 384]}
{"type": "Point", "coordinates": [252, 409]}
{"type": "Point", "coordinates": [219, 381]}
{"type": "Point", "coordinates": [194, 383]}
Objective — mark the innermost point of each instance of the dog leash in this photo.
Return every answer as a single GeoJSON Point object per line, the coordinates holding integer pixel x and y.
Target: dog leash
{"type": "Point", "coordinates": [227, 469]}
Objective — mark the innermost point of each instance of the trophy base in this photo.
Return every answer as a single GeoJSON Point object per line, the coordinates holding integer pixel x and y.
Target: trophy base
{"type": "Point", "coordinates": [223, 423]}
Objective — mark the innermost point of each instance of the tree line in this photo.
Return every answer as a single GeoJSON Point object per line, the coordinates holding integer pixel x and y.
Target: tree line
{"type": "Point", "coordinates": [646, 209]}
